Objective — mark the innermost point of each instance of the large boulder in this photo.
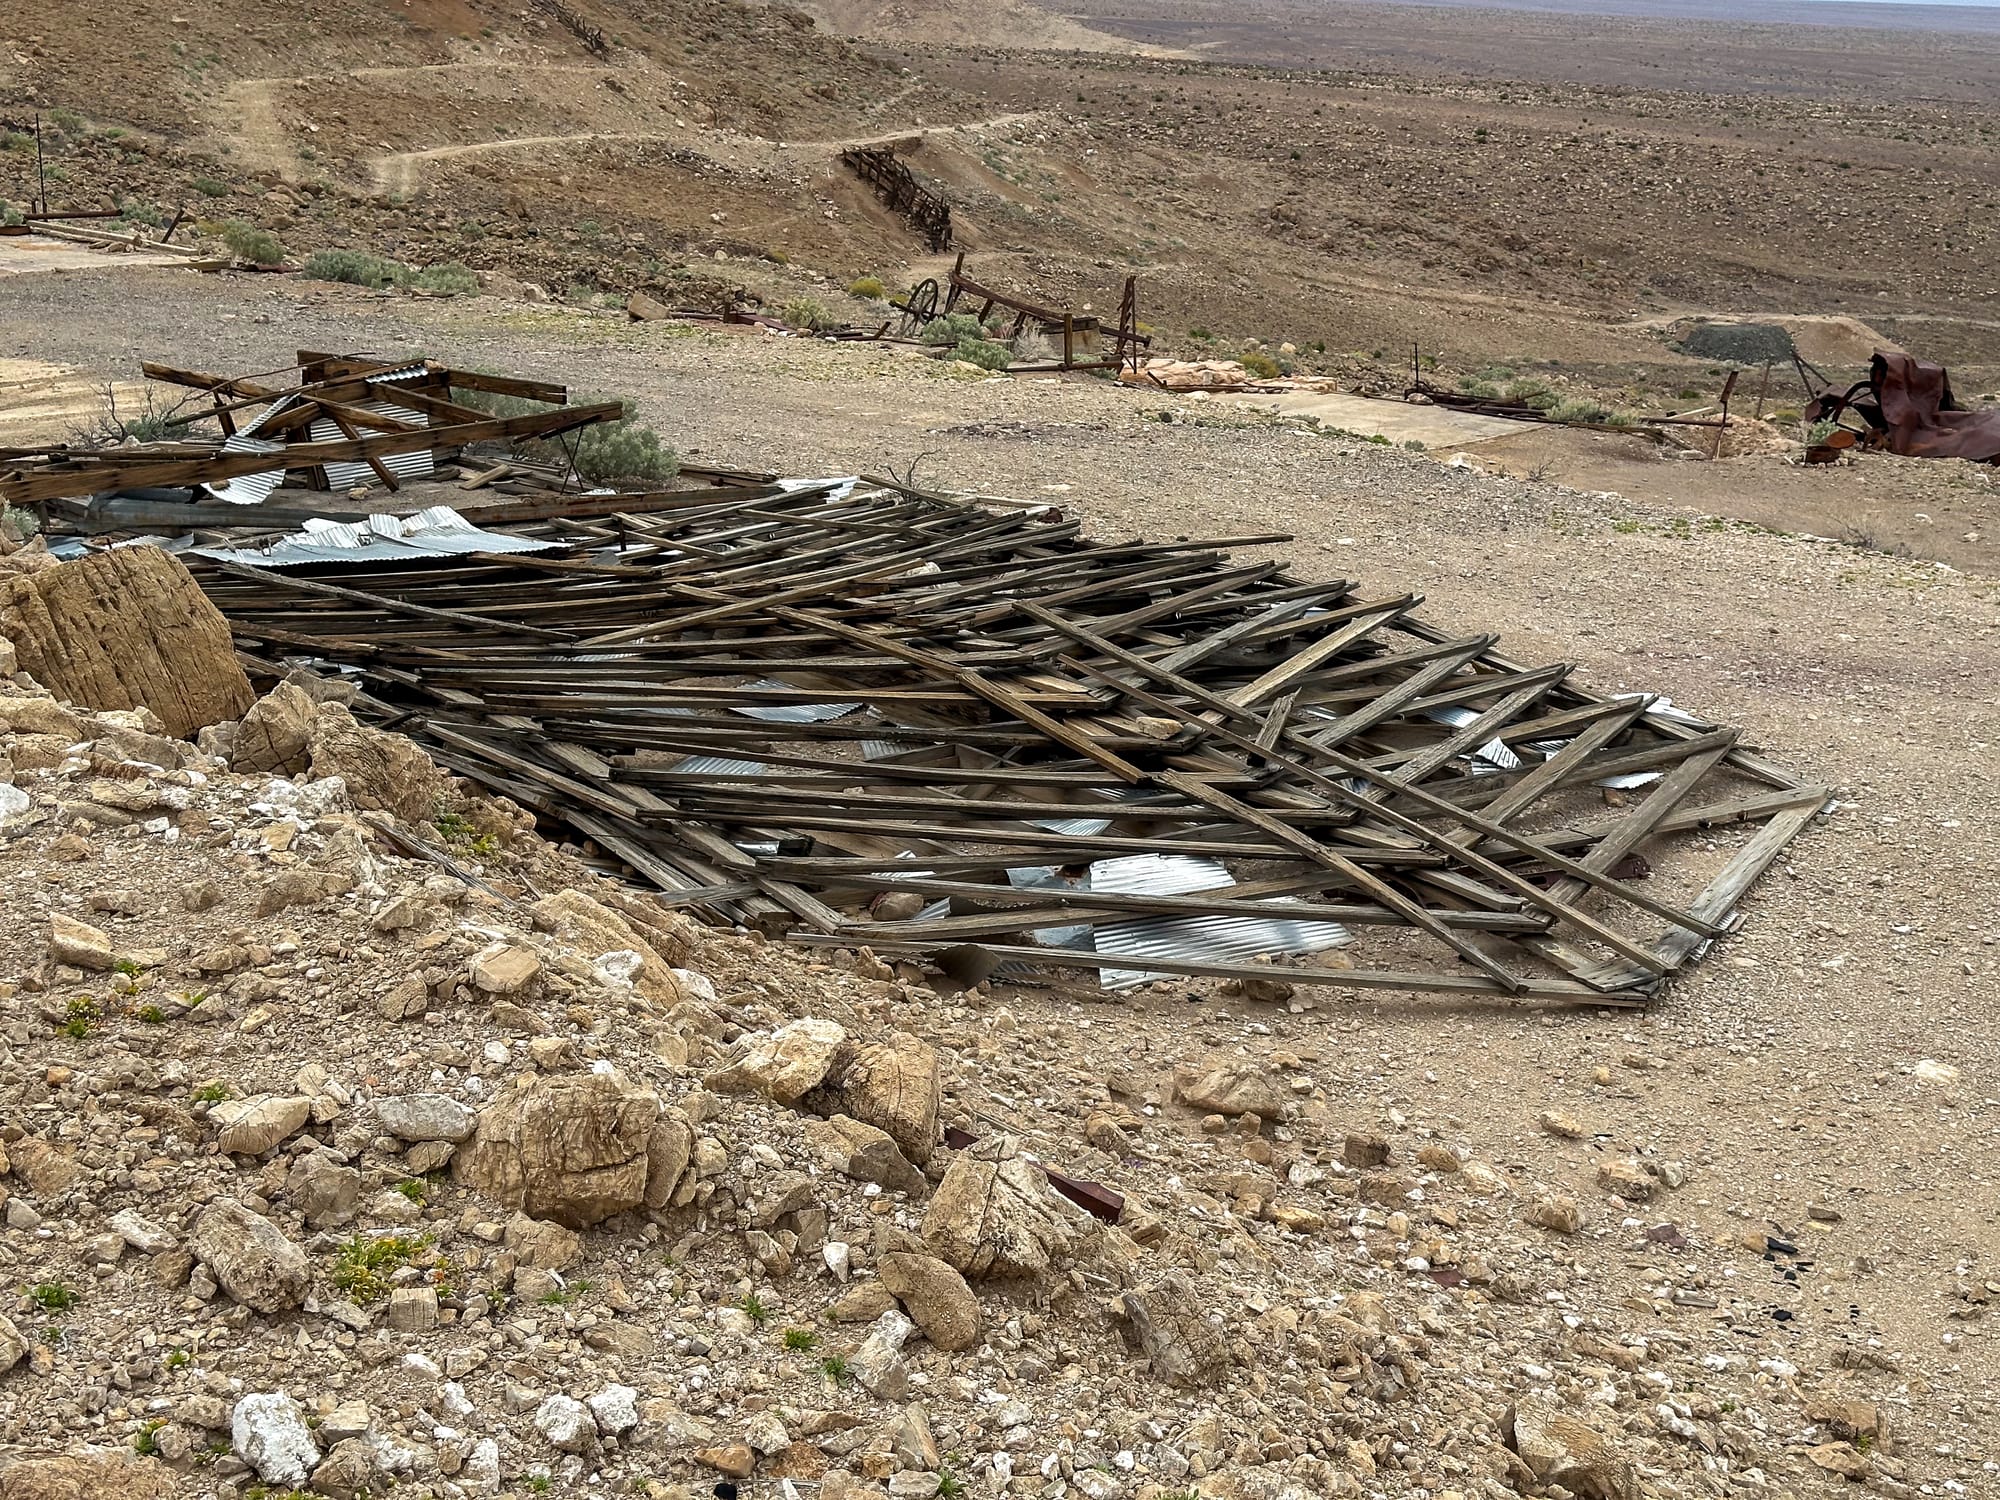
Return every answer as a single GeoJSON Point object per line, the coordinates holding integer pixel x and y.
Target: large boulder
{"type": "Point", "coordinates": [118, 1475]}
{"type": "Point", "coordinates": [892, 1085]}
{"type": "Point", "coordinates": [250, 1257]}
{"type": "Point", "coordinates": [1559, 1447]}
{"type": "Point", "coordinates": [384, 772]}
{"type": "Point", "coordinates": [127, 628]}
{"type": "Point", "coordinates": [781, 1065]}
{"type": "Point", "coordinates": [995, 1215]}
{"type": "Point", "coordinates": [935, 1295]}
{"type": "Point", "coordinates": [1169, 1325]}
{"type": "Point", "coordinates": [577, 1148]}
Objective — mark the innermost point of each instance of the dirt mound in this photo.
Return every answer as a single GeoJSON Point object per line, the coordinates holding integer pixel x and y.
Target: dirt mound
{"type": "Point", "coordinates": [1837, 341]}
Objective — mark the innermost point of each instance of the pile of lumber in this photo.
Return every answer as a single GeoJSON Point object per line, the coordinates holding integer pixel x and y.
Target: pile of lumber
{"type": "Point", "coordinates": [857, 713]}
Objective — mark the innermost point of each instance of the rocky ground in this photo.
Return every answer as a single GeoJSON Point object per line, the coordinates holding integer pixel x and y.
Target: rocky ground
{"type": "Point", "coordinates": [332, 1168]}
{"type": "Point", "coordinates": [328, 1166]}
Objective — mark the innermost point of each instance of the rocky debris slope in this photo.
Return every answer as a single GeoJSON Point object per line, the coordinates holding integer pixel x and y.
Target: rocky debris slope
{"type": "Point", "coordinates": [328, 1169]}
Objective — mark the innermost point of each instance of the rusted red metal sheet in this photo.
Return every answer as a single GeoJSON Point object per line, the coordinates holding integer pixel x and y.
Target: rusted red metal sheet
{"type": "Point", "coordinates": [1921, 419]}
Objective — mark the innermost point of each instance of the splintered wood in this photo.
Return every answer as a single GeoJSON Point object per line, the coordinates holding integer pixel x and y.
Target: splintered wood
{"type": "Point", "coordinates": [858, 713]}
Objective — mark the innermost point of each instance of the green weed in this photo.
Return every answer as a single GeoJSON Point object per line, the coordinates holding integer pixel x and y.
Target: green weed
{"type": "Point", "coordinates": [52, 1296]}
{"type": "Point", "coordinates": [363, 1266]}
{"type": "Point", "coordinates": [446, 279]}
{"type": "Point", "coordinates": [869, 287]}
{"type": "Point", "coordinates": [247, 242]}
{"type": "Point", "coordinates": [801, 1340]}
{"type": "Point", "coordinates": [757, 1312]}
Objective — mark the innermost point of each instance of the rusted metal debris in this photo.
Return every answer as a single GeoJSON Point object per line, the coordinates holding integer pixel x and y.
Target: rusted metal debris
{"type": "Point", "coordinates": [856, 713]}
{"type": "Point", "coordinates": [1907, 408]}
{"type": "Point", "coordinates": [897, 186]}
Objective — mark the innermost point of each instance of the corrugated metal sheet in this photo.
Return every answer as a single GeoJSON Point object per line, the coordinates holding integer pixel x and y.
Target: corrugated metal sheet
{"type": "Point", "coordinates": [437, 532]}
{"type": "Point", "coordinates": [792, 713]}
{"type": "Point", "coordinates": [1493, 755]}
{"type": "Point", "coordinates": [343, 475]}
{"type": "Point", "coordinates": [1206, 939]}
{"type": "Point", "coordinates": [717, 765]}
{"type": "Point", "coordinates": [248, 489]}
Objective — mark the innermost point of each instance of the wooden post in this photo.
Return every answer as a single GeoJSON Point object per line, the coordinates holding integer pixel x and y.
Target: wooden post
{"type": "Point", "coordinates": [1721, 427]}
{"type": "Point", "coordinates": [41, 176]}
{"type": "Point", "coordinates": [1069, 335]}
{"type": "Point", "coordinates": [1763, 389]}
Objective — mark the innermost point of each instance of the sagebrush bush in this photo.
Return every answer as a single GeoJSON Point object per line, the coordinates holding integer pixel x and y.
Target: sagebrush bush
{"type": "Point", "coordinates": [954, 328]}
{"type": "Point", "coordinates": [1578, 409]}
{"type": "Point", "coordinates": [624, 450]}
{"type": "Point", "coordinates": [447, 278]}
{"type": "Point", "coordinates": [356, 268]}
{"type": "Point", "coordinates": [606, 452]}
{"type": "Point", "coordinates": [247, 242]}
{"type": "Point", "coordinates": [808, 312]}
{"type": "Point", "coordinates": [1260, 364]}
{"type": "Point", "coordinates": [984, 353]}
{"type": "Point", "coordinates": [869, 287]}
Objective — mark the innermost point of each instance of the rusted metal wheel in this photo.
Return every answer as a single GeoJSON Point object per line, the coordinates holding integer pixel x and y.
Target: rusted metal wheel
{"type": "Point", "coordinates": [921, 305]}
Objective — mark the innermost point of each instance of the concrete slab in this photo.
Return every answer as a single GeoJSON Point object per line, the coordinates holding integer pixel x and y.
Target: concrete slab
{"type": "Point", "coordinates": [1398, 421]}
{"type": "Point", "coordinates": [21, 254]}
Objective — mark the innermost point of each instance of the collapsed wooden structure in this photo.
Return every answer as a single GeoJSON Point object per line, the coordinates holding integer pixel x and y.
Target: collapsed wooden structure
{"type": "Point", "coordinates": [335, 421]}
{"type": "Point", "coordinates": [1080, 334]}
{"type": "Point", "coordinates": [896, 185]}
{"type": "Point", "coordinates": [861, 714]}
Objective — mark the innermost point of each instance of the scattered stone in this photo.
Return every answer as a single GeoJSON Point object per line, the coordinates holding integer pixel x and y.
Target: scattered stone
{"type": "Point", "coordinates": [782, 1065]}
{"type": "Point", "coordinates": [250, 1127]}
{"type": "Point", "coordinates": [1559, 1448]}
{"type": "Point", "coordinates": [139, 1232]}
{"type": "Point", "coordinates": [615, 1409]}
{"type": "Point", "coordinates": [79, 945]}
{"type": "Point", "coordinates": [268, 1432]}
{"type": "Point", "coordinates": [1230, 1089]}
{"type": "Point", "coordinates": [1169, 1324]}
{"type": "Point", "coordinates": [425, 1117]}
{"type": "Point", "coordinates": [504, 968]}
{"type": "Point", "coordinates": [1369, 1149]}
{"type": "Point", "coordinates": [413, 1309]}
{"type": "Point", "coordinates": [1561, 1124]}
{"type": "Point", "coordinates": [935, 1295]}
{"type": "Point", "coordinates": [1556, 1211]}
{"type": "Point", "coordinates": [867, 1154]}
{"type": "Point", "coordinates": [878, 1364]}
{"type": "Point", "coordinates": [894, 1086]}
{"type": "Point", "coordinates": [273, 735]}
{"type": "Point", "coordinates": [1624, 1176]}
{"type": "Point", "coordinates": [575, 1148]}
{"type": "Point", "coordinates": [566, 1424]}
{"type": "Point", "coordinates": [250, 1258]}
{"type": "Point", "coordinates": [995, 1215]}
{"type": "Point", "coordinates": [734, 1459]}
{"type": "Point", "coordinates": [94, 1475]}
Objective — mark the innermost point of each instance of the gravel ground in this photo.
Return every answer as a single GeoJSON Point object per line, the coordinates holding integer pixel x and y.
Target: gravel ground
{"type": "Point", "coordinates": [1789, 1058]}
